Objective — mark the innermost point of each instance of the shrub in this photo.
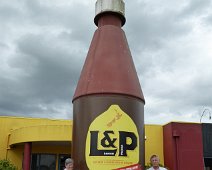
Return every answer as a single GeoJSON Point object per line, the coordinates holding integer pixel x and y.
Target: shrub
{"type": "Point", "coordinates": [7, 165]}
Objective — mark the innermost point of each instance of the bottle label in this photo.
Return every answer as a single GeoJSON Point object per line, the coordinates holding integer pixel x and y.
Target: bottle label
{"type": "Point", "coordinates": [112, 141]}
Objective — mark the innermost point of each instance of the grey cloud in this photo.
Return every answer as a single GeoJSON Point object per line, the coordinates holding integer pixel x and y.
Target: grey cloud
{"type": "Point", "coordinates": [46, 64]}
{"type": "Point", "coordinates": [50, 70]}
{"type": "Point", "coordinates": [57, 69]}
{"type": "Point", "coordinates": [75, 18]}
{"type": "Point", "coordinates": [10, 10]}
{"type": "Point", "coordinates": [196, 7]}
{"type": "Point", "coordinates": [44, 46]}
{"type": "Point", "coordinates": [153, 28]}
{"type": "Point", "coordinates": [208, 20]}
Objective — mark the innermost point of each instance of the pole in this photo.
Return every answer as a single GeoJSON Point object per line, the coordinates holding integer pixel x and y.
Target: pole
{"type": "Point", "coordinates": [27, 156]}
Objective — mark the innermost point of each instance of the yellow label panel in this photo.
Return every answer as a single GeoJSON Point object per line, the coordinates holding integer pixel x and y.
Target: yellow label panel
{"type": "Point", "coordinates": [112, 141]}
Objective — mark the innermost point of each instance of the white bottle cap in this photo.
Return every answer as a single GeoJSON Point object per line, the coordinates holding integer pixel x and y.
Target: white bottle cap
{"type": "Point", "coordinates": [113, 6]}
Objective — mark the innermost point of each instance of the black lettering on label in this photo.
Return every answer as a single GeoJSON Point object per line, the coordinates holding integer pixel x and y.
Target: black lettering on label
{"type": "Point", "coordinates": [94, 151]}
{"type": "Point", "coordinates": [108, 142]}
{"type": "Point", "coordinates": [123, 142]}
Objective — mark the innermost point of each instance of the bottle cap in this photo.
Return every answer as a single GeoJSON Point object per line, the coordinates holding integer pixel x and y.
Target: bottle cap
{"type": "Point", "coordinates": [110, 6]}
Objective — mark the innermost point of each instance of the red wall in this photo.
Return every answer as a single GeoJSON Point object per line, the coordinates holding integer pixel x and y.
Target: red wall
{"type": "Point", "coordinates": [183, 146]}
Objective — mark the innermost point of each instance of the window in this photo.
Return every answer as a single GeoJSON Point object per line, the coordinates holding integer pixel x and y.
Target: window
{"type": "Point", "coordinates": [43, 162]}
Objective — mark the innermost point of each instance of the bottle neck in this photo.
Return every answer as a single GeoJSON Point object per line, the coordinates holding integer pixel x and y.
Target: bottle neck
{"type": "Point", "coordinates": [109, 19]}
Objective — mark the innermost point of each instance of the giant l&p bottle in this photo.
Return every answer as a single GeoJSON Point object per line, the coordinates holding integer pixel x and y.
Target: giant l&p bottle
{"type": "Point", "coordinates": [108, 104]}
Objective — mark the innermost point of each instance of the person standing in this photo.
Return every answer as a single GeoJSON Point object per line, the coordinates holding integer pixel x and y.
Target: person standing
{"type": "Point", "coordinates": [154, 159]}
{"type": "Point", "coordinates": [69, 164]}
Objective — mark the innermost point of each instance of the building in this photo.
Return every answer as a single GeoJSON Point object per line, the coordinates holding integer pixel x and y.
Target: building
{"type": "Point", "coordinates": [50, 141]}
{"type": "Point", "coordinates": [180, 145]}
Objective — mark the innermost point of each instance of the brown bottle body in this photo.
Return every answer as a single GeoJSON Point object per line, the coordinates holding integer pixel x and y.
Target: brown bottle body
{"type": "Point", "coordinates": [87, 108]}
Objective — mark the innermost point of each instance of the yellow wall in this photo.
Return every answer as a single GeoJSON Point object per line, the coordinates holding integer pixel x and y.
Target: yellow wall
{"type": "Point", "coordinates": [12, 125]}
{"type": "Point", "coordinates": [154, 142]}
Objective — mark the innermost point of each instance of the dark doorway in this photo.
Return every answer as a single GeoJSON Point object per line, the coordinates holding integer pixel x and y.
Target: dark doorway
{"type": "Point", "coordinates": [43, 162]}
{"type": "Point", "coordinates": [208, 163]}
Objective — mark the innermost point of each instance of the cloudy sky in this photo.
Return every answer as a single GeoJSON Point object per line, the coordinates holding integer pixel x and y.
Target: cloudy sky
{"type": "Point", "coordinates": [43, 45]}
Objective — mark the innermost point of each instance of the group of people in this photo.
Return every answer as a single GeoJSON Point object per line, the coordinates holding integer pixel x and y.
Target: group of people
{"type": "Point", "coordinates": [154, 159]}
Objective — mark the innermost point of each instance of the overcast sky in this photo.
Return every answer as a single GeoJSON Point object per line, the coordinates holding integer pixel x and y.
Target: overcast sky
{"type": "Point", "coordinates": [43, 45]}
